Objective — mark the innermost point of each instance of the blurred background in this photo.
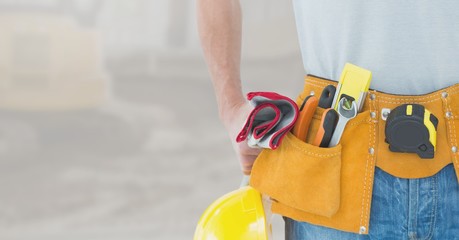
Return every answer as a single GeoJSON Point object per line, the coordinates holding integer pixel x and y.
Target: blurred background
{"type": "Point", "coordinates": [108, 121]}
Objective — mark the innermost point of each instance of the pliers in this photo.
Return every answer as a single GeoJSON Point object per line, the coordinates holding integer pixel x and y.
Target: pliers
{"type": "Point", "coordinates": [329, 117]}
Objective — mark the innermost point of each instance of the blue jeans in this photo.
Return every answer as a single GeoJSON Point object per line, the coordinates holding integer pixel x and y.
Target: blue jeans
{"type": "Point", "coordinates": [426, 208]}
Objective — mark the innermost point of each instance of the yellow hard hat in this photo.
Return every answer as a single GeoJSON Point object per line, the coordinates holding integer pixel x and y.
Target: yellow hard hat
{"type": "Point", "coordinates": [236, 215]}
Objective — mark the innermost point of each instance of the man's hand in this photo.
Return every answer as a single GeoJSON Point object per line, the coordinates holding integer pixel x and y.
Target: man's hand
{"type": "Point", "coordinates": [234, 121]}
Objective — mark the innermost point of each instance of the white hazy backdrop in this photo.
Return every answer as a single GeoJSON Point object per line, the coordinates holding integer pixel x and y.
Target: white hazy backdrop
{"type": "Point", "coordinates": [108, 121]}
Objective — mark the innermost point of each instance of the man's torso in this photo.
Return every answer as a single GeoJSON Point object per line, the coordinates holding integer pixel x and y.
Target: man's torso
{"type": "Point", "coordinates": [412, 47]}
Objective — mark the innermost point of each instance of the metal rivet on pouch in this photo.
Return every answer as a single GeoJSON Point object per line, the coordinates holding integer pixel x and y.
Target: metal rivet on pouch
{"type": "Point", "coordinates": [312, 93]}
{"type": "Point", "coordinates": [444, 94]}
{"type": "Point", "coordinates": [449, 114]}
{"type": "Point", "coordinates": [372, 96]}
{"type": "Point", "coordinates": [362, 230]}
{"type": "Point", "coordinates": [373, 114]}
{"type": "Point", "coordinates": [371, 151]}
{"type": "Point", "coordinates": [454, 149]}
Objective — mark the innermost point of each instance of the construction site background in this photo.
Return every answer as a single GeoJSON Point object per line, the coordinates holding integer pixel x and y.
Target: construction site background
{"type": "Point", "coordinates": [108, 120]}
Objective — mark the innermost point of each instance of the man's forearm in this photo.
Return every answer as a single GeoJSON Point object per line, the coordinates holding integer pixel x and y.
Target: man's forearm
{"type": "Point", "coordinates": [219, 23]}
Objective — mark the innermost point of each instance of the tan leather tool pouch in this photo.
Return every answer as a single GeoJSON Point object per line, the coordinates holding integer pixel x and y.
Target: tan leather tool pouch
{"type": "Point", "coordinates": [304, 177]}
{"type": "Point", "coordinates": [333, 187]}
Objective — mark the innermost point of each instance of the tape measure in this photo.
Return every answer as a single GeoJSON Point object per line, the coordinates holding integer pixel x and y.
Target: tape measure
{"type": "Point", "coordinates": [411, 128]}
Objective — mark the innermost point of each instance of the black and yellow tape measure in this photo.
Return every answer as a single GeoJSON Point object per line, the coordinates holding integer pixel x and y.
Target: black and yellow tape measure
{"type": "Point", "coordinates": [411, 128]}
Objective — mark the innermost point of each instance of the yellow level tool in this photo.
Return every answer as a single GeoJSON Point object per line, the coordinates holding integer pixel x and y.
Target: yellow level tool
{"type": "Point", "coordinates": [353, 84]}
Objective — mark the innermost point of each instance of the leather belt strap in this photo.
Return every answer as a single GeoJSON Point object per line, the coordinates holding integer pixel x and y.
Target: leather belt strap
{"type": "Point", "coordinates": [444, 104]}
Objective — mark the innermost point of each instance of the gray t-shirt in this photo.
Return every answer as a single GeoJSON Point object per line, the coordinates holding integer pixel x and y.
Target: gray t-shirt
{"type": "Point", "coordinates": [411, 46]}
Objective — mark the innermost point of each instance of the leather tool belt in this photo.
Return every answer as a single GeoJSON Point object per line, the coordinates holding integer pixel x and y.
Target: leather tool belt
{"type": "Point", "coordinates": [332, 187]}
